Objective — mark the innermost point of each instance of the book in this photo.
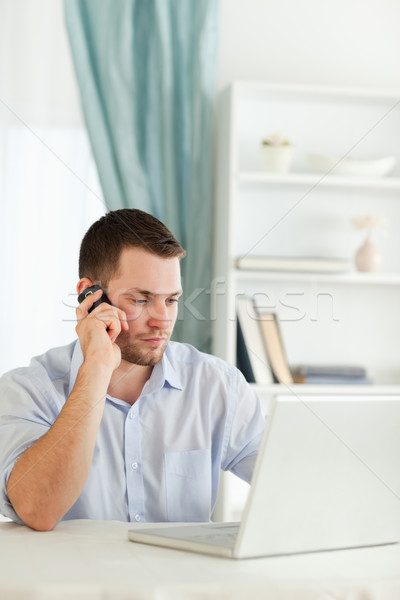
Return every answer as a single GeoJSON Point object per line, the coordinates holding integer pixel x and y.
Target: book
{"type": "Point", "coordinates": [333, 380]}
{"type": "Point", "coordinates": [331, 374]}
{"type": "Point", "coordinates": [242, 356]}
{"type": "Point", "coordinates": [300, 264]}
{"type": "Point", "coordinates": [275, 348]}
{"type": "Point", "coordinates": [304, 371]}
{"type": "Point", "coordinates": [252, 341]}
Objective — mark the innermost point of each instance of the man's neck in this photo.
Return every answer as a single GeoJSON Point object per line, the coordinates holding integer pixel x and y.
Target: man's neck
{"type": "Point", "coordinates": [128, 380]}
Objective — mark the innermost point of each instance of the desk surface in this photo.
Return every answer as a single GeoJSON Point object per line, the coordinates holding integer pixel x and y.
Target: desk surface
{"type": "Point", "coordinates": [95, 560]}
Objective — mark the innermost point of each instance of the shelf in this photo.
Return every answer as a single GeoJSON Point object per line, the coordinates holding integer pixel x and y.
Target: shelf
{"type": "Point", "coordinates": [295, 91]}
{"type": "Point", "coordinates": [317, 179]}
{"type": "Point", "coordinates": [267, 392]}
{"type": "Point", "coordinates": [354, 278]}
{"type": "Point", "coordinates": [302, 389]}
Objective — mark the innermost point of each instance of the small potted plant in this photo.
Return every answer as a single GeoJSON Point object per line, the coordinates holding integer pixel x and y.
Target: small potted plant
{"type": "Point", "coordinates": [368, 257]}
{"type": "Point", "coordinates": [277, 152]}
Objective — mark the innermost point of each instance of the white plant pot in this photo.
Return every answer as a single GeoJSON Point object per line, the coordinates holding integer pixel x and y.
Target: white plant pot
{"type": "Point", "coordinates": [277, 159]}
{"type": "Point", "coordinates": [368, 257]}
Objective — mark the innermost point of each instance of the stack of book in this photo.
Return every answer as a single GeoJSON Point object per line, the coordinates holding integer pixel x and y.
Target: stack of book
{"type": "Point", "coordinates": [262, 358]}
{"type": "Point", "coordinates": [331, 374]}
{"type": "Point", "coordinates": [300, 264]}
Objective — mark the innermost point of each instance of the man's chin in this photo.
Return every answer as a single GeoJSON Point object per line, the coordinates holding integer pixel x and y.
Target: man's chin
{"type": "Point", "coordinates": [144, 358]}
{"type": "Point", "coordinates": [141, 361]}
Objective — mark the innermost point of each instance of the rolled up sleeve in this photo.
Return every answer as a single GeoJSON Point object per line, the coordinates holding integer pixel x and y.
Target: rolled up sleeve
{"type": "Point", "coordinates": [25, 416]}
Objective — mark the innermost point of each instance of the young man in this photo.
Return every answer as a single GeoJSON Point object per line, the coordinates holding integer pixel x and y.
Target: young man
{"type": "Point", "coordinates": [122, 423]}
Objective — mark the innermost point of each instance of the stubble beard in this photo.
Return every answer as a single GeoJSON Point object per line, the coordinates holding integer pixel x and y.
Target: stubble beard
{"type": "Point", "coordinates": [133, 351]}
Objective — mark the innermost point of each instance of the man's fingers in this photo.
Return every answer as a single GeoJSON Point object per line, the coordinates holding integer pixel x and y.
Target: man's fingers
{"type": "Point", "coordinates": [112, 318]}
{"type": "Point", "coordinates": [84, 307]}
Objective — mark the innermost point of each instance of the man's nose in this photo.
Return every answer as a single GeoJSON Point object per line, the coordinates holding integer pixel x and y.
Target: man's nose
{"type": "Point", "coordinates": [158, 315]}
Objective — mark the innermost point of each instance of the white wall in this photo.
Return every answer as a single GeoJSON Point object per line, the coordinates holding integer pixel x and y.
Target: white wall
{"type": "Point", "coordinates": [49, 191]}
{"type": "Point", "coordinates": [334, 42]}
{"type": "Point", "coordinates": [37, 80]}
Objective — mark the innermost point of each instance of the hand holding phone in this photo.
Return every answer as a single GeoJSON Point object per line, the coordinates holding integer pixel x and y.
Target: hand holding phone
{"type": "Point", "coordinates": [91, 290]}
{"type": "Point", "coordinates": [114, 321]}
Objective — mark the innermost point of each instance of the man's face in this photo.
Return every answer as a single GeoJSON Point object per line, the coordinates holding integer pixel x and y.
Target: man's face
{"type": "Point", "coordinates": [147, 288]}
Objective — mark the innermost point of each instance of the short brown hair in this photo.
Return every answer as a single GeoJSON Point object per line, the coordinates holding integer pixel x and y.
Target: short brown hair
{"type": "Point", "coordinates": [104, 241]}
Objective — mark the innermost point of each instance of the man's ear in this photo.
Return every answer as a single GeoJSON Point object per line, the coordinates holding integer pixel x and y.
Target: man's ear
{"type": "Point", "coordinates": [83, 284]}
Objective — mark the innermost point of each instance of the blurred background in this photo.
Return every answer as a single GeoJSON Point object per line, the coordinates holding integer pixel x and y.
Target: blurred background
{"type": "Point", "coordinates": [49, 187]}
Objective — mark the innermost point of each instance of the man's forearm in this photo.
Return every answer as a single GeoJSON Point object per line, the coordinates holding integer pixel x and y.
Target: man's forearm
{"type": "Point", "coordinates": [49, 477]}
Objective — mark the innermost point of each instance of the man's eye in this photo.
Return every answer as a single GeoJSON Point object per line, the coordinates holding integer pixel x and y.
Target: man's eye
{"type": "Point", "coordinates": [139, 300]}
{"type": "Point", "coordinates": [172, 300]}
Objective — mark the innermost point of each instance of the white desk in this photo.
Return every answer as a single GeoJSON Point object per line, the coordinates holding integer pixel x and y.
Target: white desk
{"type": "Point", "coordinates": [94, 560]}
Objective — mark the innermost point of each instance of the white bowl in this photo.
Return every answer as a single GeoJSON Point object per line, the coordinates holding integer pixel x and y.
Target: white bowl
{"type": "Point", "coordinates": [350, 166]}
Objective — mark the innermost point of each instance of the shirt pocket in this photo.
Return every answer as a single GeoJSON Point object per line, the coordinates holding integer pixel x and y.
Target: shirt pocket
{"type": "Point", "coordinates": [188, 485]}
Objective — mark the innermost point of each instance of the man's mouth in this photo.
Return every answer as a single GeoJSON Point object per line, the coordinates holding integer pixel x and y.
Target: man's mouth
{"type": "Point", "coordinates": [154, 341]}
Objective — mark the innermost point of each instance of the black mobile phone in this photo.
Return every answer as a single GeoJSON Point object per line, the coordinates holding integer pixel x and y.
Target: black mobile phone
{"type": "Point", "coordinates": [91, 290]}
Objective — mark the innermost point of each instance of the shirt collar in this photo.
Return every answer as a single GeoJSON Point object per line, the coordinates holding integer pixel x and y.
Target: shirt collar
{"type": "Point", "coordinates": [163, 372]}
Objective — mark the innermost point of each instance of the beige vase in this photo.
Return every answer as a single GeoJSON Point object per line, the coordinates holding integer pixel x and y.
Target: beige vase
{"type": "Point", "coordinates": [368, 257]}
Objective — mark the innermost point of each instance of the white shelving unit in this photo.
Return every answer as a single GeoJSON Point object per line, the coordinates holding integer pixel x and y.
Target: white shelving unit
{"type": "Point", "coordinates": [343, 318]}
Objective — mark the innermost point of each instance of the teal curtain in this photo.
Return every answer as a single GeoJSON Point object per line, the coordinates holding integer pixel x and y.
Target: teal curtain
{"type": "Point", "coordinates": [146, 73]}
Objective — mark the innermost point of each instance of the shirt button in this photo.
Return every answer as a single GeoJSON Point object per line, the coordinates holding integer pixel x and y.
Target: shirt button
{"type": "Point", "coordinates": [131, 415]}
{"type": "Point", "coordinates": [137, 517]}
{"type": "Point", "coordinates": [134, 465]}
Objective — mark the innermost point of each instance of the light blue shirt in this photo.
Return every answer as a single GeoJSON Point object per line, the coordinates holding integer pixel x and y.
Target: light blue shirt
{"type": "Point", "coordinates": [158, 460]}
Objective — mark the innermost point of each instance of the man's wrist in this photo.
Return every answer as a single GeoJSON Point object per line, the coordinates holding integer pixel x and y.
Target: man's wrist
{"type": "Point", "coordinates": [96, 373]}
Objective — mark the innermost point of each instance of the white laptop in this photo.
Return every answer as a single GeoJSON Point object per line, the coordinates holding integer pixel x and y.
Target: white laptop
{"type": "Point", "coordinates": [327, 477]}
